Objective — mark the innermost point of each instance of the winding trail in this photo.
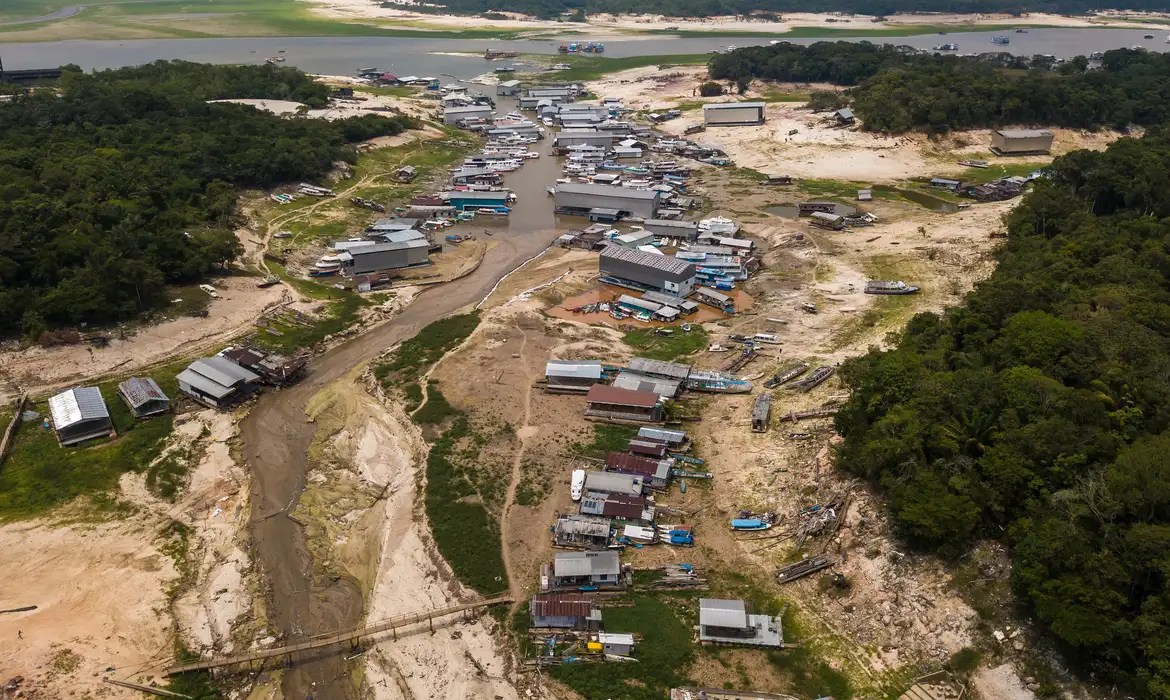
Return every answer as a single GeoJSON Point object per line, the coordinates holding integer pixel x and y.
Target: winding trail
{"type": "Point", "coordinates": [523, 433]}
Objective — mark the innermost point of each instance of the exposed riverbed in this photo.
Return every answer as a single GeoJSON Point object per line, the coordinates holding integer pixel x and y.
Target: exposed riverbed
{"type": "Point", "coordinates": [405, 56]}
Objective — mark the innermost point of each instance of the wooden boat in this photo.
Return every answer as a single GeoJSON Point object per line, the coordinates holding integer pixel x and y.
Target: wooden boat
{"type": "Point", "coordinates": [750, 524]}
{"type": "Point", "coordinates": [889, 287]}
{"type": "Point", "coordinates": [819, 375]}
{"type": "Point", "coordinates": [781, 378]}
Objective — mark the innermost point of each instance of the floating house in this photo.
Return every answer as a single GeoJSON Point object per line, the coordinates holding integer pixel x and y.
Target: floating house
{"type": "Point", "coordinates": [1021, 142]}
{"type": "Point", "coordinates": [728, 622]}
{"type": "Point", "coordinates": [508, 88]}
{"type": "Point", "coordinates": [218, 382]}
{"type": "Point", "coordinates": [579, 198]}
{"type": "Point", "coordinates": [599, 484]}
{"type": "Point", "coordinates": [385, 256]}
{"type": "Point", "coordinates": [564, 611]}
{"type": "Point", "coordinates": [572, 375]}
{"type": "Point", "coordinates": [584, 531]}
{"type": "Point", "coordinates": [663, 388]}
{"type": "Point", "coordinates": [733, 114]}
{"type": "Point", "coordinates": [454, 115]}
{"type": "Point", "coordinates": [612, 505]}
{"type": "Point", "coordinates": [144, 397]}
{"type": "Point", "coordinates": [586, 569]}
{"type": "Point", "coordinates": [80, 414]}
{"type": "Point", "coordinates": [623, 404]}
{"type": "Point", "coordinates": [464, 200]}
{"type": "Point", "coordinates": [655, 472]}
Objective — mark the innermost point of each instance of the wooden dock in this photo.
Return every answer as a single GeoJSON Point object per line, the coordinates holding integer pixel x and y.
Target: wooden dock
{"type": "Point", "coordinates": [337, 638]}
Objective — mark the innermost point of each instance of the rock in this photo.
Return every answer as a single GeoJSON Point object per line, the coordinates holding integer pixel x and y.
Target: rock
{"type": "Point", "coordinates": [1033, 686]}
{"type": "Point", "coordinates": [1018, 645]}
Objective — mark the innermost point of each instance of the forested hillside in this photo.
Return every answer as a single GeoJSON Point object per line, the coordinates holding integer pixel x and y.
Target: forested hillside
{"type": "Point", "coordinates": [711, 8]}
{"type": "Point", "coordinates": [124, 182]}
{"type": "Point", "coordinates": [900, 90]}
{"type": "Point", "coordinates": [1038, 413]}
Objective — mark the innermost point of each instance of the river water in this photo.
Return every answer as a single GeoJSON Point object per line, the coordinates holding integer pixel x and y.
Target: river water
{"type": "Point", "coordinates": [425, 57]}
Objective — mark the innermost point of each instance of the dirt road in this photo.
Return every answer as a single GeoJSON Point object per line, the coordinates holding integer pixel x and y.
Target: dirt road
{"type": "Point", "coordinates": [276, 439]}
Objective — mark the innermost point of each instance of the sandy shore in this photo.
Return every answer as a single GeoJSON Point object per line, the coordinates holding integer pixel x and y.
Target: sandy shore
{"type": "Point", "coordinates": [606, 25]}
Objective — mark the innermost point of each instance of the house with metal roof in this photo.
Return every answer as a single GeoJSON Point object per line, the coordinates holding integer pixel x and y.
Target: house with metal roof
{"type": "Point", "coordinates": [581, 531]}
{"type": "Point", "coordinates": [586, 569]}
{"type": "Point", "coordinates": [844, 116]}
{"type": "Point", "coordinates": [728, 622]}
{"type": "Point", "coordinates": [733, 113]}
{"type": "Point", "coordinates": [710, 297]}
{"type": "Point", "coordinates": [144, 397]}
{"type": "Point", "coordinates": [508, 88]}
{"type": "Point", "coordinates": [572, 375]}
{"type": "Point", "coordinates": [655, 472]}
{"type": "Point", "coordinates": [616, 644]}
{"type": "Point", "coordinates": [634, 381]}
{"type": "Point", "coordinates": [635, 269]}
{"type": "Point", "coordinates": [564, 611]}
{"type": "Point", "coordinates": [80, 414]}
{"type": "Point", "coordinates": [672, 438]}
{"type": "Point", "coordinates": [454, 115]}
{"type": "Point", "coordinates": [218, 382]}
{"type": "Point", "coordinates": [646, 448]}
{"type": "Point", "coordinates": [577, 198]}
{"type": "Point", "coordinates": [272, 368]}
{"type": "Point", "coordinates": [684, 306]}
{"type": "Point", "coordinates": [623, 404]}
{"type": "Point", "coordinates": [615, 505]}
{"type": "Point", "coordinates": [598, 484]}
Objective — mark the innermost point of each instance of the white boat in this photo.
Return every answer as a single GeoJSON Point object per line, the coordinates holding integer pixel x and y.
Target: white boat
{"type": "Point", "coordinates": [577, 486]}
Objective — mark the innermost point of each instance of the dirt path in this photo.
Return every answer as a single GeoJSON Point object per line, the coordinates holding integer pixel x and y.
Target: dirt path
{"type": "Point", "coordinates": [523, 433]}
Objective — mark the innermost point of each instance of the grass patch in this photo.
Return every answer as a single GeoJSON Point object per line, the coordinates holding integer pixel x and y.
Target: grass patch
{"type": "Point", "coordinates": [410, 359]}
{"type": "Point", "coordinates": [466, 535]}
{"type": "Point", "coordinates": [437, 409]}
{"type": "Point", "coordinates": [664, 652]}
{"type": "Point", "coordinates": [810, 676]}
{"type": "Point", "coordinates": [40, 475]}
{"type": "Point", "coordinates": [606, 438]}
{"type": "Point", "coordinates": [666, 347]}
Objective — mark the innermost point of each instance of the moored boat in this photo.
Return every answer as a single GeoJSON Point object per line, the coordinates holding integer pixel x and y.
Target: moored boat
{"type": "Point", "coordinates": [786, 376]}
{"type": "Point", "coordinates": [889, 287]}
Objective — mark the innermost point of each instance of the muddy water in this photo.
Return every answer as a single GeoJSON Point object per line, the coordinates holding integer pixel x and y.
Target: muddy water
{"type": "Point", "coordinates": [276, 439]}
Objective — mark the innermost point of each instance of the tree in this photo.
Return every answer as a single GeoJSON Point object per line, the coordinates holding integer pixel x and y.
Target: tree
{"type": "Point", "coordinates": [710, 89]}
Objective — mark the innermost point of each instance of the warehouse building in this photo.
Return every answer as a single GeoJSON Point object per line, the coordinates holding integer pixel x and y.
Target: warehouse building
{"type": "Point", "coordinates": [218, 382]}
{"type": "Point", "coordinates": [686, 230]}
{"type": "Point", "coordinates": [463, 200]}
{"type": "Point", "coordinates": [572, 375]}
{"type": "Point", "coordinates": [384, 256]}
{"type": "Point", "coordinates": [144, 397]}
{"type": "Point", "coordinates": [454, 115]}
{"type": "Point", "coordinates": [508, 88]}
{"type": "Point", "coordinates": [733, 114]}
{"type": "Point", "coordinates": [582, 137]}
{"type": "Point", "coordinates": [646, 271]}
{"type": "Point", "coordinates": [80, 414]}
{"type": "Point", "coordinates": [1021, 142]}
{"type": "Point", "coordinates": [580, 198]}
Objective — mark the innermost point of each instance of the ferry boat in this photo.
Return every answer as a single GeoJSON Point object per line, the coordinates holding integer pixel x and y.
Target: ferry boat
{"type": "Point", "coordinates": [945, 47]}
{"type": "Point", "coordinates": [1001, 40]}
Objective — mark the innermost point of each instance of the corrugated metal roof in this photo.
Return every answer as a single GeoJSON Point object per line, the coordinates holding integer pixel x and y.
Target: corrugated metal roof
{"type": "Point", "coordinates": [583, 525]}
{"type": "Point", "coordinates": [606, 190]}
{"type": "Point", "coordinates": [203, 384]}
{"type": "Point", "coordinates": [714, 612]}
{"type": "Point", "coordinates": [673, 437]}
{"type": "Point", "coordinates": [632, 464]}
{"type": "Point", "coordinates": [615, 638]}
{"type": "Point", "coordinates": [76, 405]}
{"type": "Point", "coordinates": [668, 223]}
{"type": "Point", "coordinates": [560, 605]}
{"type": "Point", "coordinates": [635, 381]}
{"type": "Point", "coordinates": [717, 296]}
{"type": "Point", "coordinates": [659, 368]}
{"type": "Point", "coordinates": [1023, 133]}
{"type": "Point", "coordinates": [140, 390]}
{"type": "Point", "coordinates": [599, 393]}
{"type": "Point", "coordinates": [647, 447]}
{"type": "Point", "coordinates": [586, 564]}
{"type": "Point", "coordinates": [733, 105]}
{"type": "Point", "coordinates": [612, 482]}
{"type": "Point", "coordinates": [665, 263]}
{"type": "Point", "coordinates": [578, 369]}
{"type": "Point", "coordinates": [223, 371]}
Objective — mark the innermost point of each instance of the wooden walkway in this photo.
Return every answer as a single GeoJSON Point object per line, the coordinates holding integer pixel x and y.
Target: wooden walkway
{"type": "Point", "coordinates": [337, 638]}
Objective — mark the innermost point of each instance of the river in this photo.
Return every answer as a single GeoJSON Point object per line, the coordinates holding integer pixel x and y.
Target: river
{"type": "Point", "coordinates": [420, 56]}
{"type": "Point", "coordinates": [276, 438]}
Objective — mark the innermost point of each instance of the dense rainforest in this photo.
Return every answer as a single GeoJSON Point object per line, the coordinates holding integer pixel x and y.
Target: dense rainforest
{"type": "Point", "coordinates": [1038, 412]}
{"type": "Point", "coordinates": [898, 89]}
{"type": "Point", "coordinates": [712, 8]}
{"type": "Point", "coordinates": [122, 182]}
